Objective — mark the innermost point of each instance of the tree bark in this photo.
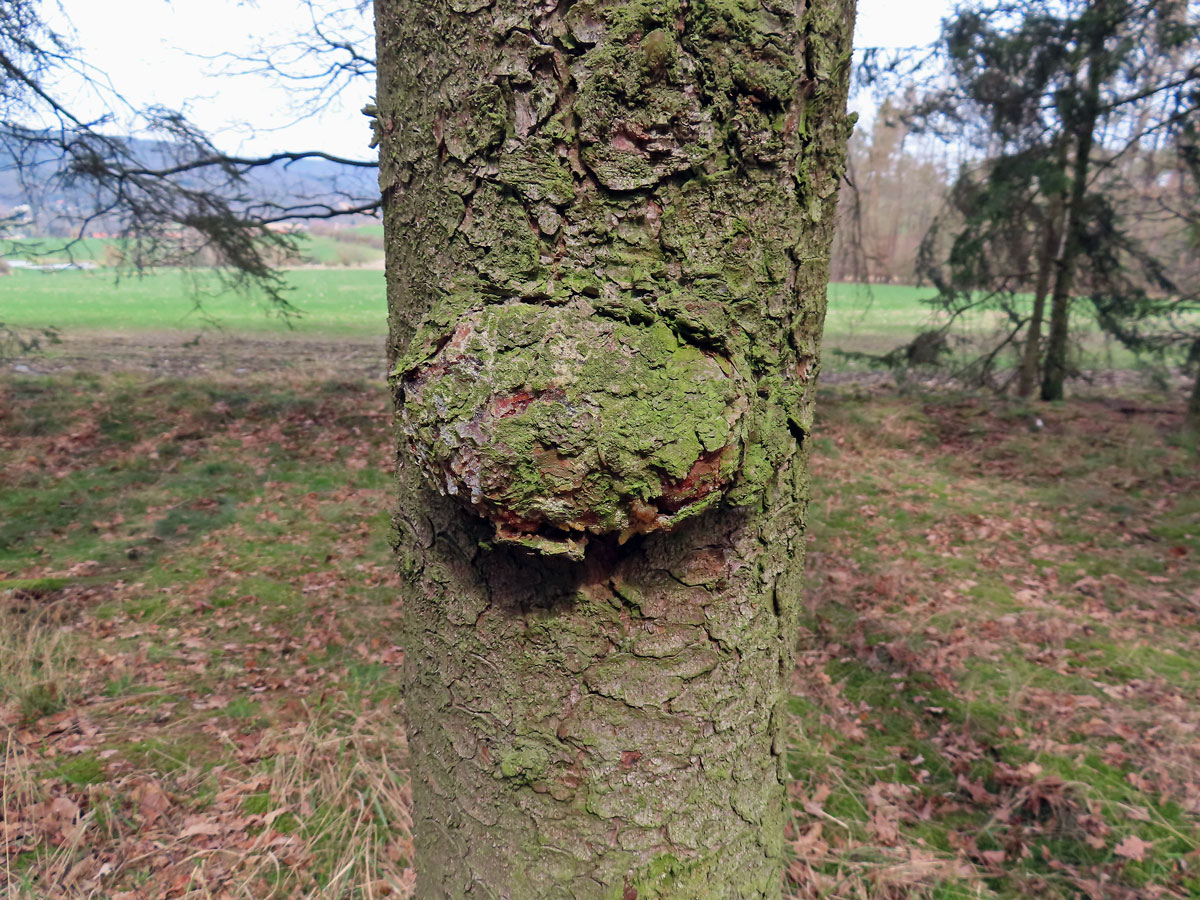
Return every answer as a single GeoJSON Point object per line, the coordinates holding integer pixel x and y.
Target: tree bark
{"type": "Point", "coordinates": [1031, 357]}
{"type": "Point", "coordinates": [1054, 373]}
{"type": "Point", "coordinates": [1191, 421]}
{"type": "Point", "coordinates": [1083, 134]}
{"type": "Point", "coordinates": [608, 228]}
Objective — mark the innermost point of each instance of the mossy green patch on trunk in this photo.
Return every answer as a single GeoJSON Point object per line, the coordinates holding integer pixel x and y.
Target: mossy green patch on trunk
{"type": "Point", "coordinates": [556, 417]}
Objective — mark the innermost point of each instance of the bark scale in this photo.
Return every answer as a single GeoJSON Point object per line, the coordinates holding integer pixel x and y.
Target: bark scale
{"type": "Point", "coordinates": [565, 183]}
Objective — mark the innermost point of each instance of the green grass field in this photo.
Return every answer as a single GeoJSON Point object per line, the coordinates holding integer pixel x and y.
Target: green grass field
{"type": "Point", "coordinates": [354, 246]}
{"type": "Point", "coordinates": [347, 302]}
{"type": "Point", "coordinates": [339, 301]}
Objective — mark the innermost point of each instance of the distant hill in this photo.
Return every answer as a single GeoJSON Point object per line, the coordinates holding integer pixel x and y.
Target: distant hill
{"type": "Point", "coordinates": [32, 181]}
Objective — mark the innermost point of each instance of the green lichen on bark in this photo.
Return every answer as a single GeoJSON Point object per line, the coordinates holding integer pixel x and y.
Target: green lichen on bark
{"type": "Point", "coordinates": [608, 225]}
{"type": "Point", "coordinates": [556, 423]}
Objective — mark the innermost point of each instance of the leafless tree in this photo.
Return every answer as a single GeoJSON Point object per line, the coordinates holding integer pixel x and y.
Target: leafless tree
{"type": "Point", "coordinates": [169, 191]}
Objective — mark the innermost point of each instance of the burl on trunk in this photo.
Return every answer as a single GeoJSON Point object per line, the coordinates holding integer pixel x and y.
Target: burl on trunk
{"type": "Point", "coordinates": [608, 227]}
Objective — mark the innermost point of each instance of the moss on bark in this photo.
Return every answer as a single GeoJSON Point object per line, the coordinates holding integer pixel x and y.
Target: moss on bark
{"type": "Point", "coordinates": [608, 228]}
{"type": "Point", "coordinates": [556, 422]}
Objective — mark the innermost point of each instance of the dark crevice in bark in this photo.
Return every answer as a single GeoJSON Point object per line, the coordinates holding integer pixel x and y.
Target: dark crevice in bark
{"type": "Point", "coordinates": [798, 433]}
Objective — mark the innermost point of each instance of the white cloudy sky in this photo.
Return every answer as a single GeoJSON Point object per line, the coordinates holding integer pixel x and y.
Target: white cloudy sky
{"type": "Point", "coordinates": [149, 49]}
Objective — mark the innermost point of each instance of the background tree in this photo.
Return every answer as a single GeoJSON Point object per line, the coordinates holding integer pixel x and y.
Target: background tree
{"type": "Point", "coordinates": [608, 233]}
{"type": "Point", "coordinates": [170, 192]}
{"type": "Point", "coordinates": [898, 186]}
{"type": "Point", "coordinates": [1054, 96]}
{"type": "Point", "coordinates": [1189, 212]}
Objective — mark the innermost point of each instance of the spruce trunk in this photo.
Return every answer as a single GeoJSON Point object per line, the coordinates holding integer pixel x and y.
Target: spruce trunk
{"type": "Point", "coordinates": [1191, 421]}
{"type": "Point", "coordinates": [1082, 133]}
{"type": "Point", "coordinates": [1032, 353]}
{"type": "Point", "coordinates": [1055, 371]}
{"type": "Point", "coordinates": [608, 228]}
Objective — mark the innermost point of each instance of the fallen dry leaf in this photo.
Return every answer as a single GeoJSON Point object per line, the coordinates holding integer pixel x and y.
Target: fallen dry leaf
{"type": "Point", "coordinates": [1133, 848]}
{"type": "Point", "coordinates": [201, 829]}
{"type": "Point", "coordinates": [152, 802]}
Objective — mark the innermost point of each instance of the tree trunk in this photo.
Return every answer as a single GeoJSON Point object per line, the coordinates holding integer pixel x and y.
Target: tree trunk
{"type": "Point", "coordinates": [1032, 352]}
{"type": "Point", "coordinates": [1082, 132]}
{"type": "Point", "coordinates": [608, 227]}
{"type": "Point", "coordinates": [1191, 421]}
{"type": "Point", "coordinates": [1191, 424]}
{"type": "Point", "coordinates": [1054, 373]}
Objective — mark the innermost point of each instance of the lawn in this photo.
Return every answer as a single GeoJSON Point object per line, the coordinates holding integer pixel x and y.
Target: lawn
{"type": "Point", "coordinates": [997, 692]}
{"type": "Point", "coordinates": [345, 302]}
{"type": "Point", "coordinates": [348, 303]}
{"type": "Point", "coordinates": [338, 302]}
{"type": "Point", "coordinates": [347, 246]}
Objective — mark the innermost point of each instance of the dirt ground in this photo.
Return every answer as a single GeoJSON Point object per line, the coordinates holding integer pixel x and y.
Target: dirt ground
{"type": "Point", "coordinates": [183, 355]}
{"type": "Point", "coordinates": [173, 354]}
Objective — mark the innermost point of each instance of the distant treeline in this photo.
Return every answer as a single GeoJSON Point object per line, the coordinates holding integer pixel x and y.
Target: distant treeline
{"type": "Point", "coordinates": [898, 183]}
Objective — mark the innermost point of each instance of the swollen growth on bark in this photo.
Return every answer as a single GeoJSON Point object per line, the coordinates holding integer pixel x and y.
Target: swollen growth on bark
{"type": "Point", "coordinates": [608, 233]}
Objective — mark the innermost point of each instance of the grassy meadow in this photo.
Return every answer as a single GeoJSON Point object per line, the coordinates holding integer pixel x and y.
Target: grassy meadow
{"type": "Point", "coordinates": [348, 303]}
{"type": "Point", "coordinates": [340, 302]}
{"type": "Point", "coordinates": [997, 692]}
{"type": "Point", "coordinates": [356, 245]}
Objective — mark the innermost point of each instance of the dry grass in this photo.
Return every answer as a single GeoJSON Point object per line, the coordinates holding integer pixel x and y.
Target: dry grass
{"type": "Point", "coordinates": [36, 652]}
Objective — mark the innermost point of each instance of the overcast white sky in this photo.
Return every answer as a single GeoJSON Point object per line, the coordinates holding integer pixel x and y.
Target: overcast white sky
{"type": "Point", "coordinates": [143, 46]}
